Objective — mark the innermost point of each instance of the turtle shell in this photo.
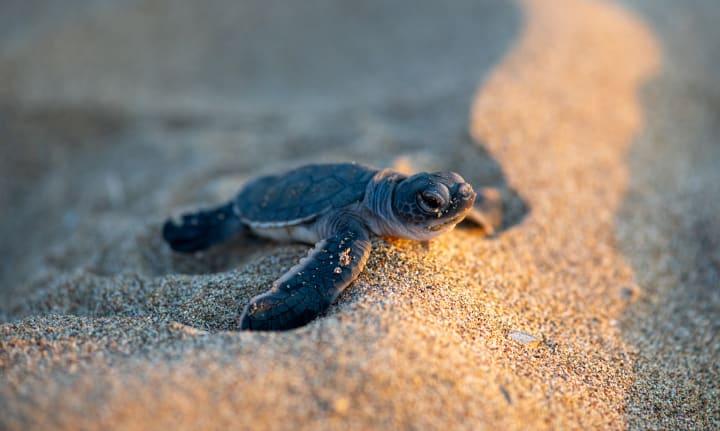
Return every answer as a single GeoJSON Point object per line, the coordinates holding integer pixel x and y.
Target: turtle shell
{"type": "Point", "coordinates": [301, 194]}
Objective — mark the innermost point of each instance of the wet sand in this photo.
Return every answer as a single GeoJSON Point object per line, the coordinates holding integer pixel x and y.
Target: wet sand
{"type": "Point", "coordinates": [596, 306]}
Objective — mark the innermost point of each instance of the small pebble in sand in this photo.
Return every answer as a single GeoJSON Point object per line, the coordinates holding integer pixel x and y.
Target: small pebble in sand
{"type": "Point", "coordinates": [341, 405]}
{"type": "Point", "coordinates": [505, 394]}
{"type": "Point", "coordinates": [528, 340]}
{"type": "Point", "coordinates": [185, 329]}
{"type": "Point", "coordinates": [626, 293]}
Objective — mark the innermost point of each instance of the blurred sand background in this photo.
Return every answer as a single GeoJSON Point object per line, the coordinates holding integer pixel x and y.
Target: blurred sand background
{"type": "Point", "coordinates": [596, 306]}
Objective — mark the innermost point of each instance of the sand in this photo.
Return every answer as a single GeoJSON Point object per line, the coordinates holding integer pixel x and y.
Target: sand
{"type": "Point", "coordinates": [596, 306]}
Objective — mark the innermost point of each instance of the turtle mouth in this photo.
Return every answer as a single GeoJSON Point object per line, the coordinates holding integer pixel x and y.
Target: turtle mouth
{"type": "Point", "coordinates": [451, 221]}
{"type": "Point", "coordinates": [460, 207]}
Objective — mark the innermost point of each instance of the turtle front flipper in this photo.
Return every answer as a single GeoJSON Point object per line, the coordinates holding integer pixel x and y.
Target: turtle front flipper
{"type": "Point", "coordinates": [310, 287]}
{"type": "Point", "coordinates": [488, 210]}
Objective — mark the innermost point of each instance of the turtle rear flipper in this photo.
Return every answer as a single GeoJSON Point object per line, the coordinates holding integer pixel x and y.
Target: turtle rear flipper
{"type": "Point", "coordinates": [310, 287]}
{"type": "Point", "coordinates": [198, 231]}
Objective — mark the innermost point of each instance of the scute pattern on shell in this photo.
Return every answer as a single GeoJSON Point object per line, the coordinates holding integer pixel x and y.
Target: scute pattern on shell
{"type": "Point", "coordinates": [301, 194]}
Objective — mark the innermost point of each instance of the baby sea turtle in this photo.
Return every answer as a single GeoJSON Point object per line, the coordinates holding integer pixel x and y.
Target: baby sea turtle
{"type": "Point", "coordinates": [337, 207]}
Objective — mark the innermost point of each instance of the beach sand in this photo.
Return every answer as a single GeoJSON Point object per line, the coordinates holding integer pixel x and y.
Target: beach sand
{"type": "Point", "coordinates": [596, 306]}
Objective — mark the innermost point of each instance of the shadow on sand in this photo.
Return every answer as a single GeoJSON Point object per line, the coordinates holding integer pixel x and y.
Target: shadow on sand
{"type": "Point", "coordinates": [669, 229]}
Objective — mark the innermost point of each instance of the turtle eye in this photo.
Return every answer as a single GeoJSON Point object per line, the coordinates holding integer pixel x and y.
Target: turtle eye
{"type": "Point", "coordinates": [430, 201]}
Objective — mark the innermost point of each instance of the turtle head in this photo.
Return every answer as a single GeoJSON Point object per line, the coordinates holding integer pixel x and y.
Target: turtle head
{"type": "Point", "coordinates": [428, 204]}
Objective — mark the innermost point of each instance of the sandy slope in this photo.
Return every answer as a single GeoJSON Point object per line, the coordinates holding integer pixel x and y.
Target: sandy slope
{"type": "Point", "coordinates": [602, 123]}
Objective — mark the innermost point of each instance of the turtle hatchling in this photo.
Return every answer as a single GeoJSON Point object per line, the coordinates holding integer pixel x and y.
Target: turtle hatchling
{"type": "Point", "coordinates": [337, 207]}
